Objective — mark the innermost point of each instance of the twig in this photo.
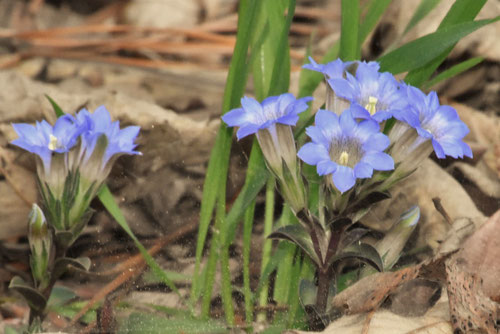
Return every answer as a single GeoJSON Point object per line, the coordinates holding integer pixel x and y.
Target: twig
{"type": "Point", "coordinates": [366, 325]}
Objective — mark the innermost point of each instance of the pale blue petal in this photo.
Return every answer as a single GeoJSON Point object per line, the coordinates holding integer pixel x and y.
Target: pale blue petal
{"type": "Point", "coordinates": [376, 142]}
{"type": "Point", "coordinates": [378, 160]}
{"type": "Point", "coordinates": [363, 170]}
{"type": "Point", "coordinates": [246, 130]}
{"type": "Point", "coordinates": [326, 167]}
{"type": "Point", "coordinates": [438, 149]}
{"type": "Point", "coordinates": [347, 122]}
{"type": "Point", "coordinates": [343, 178]}
{"type": "Point", "coordinates": [342, 88]}
{"type": "Point", "coordinates": [312, 153]}
{"type": "Point", "coordinates": [235, 117]}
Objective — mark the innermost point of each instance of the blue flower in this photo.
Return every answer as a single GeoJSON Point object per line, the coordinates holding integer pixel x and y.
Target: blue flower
{"type": "Point", "coordinates": [439, 123]}
{"type": "Point", "coordinates": [333, 69]}
{"type": "Point", "coordinates": [44, 139]}
{"type": "Point", "coordinates": [345, 149]}
{"type": "Point", "coordinates": [105, 136]}
{"type": "Point", "coordinates": [373, 94]}
{"type": "Point", "coordinates": [255, 116]}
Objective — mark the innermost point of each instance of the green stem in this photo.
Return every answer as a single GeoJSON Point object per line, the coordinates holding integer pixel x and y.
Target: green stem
{"type": "Point", "coordinates": [211, 266]}
{"type": "Point", "coordinates": [266, 248]}
{"type": "Point", "coordinates": [247, 236]}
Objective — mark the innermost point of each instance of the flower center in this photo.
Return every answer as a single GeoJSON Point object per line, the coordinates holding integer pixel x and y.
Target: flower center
{"type": "Point", "coordinates": [52, 142]}
{"type": "Point", "coordinates": [346, 151]}
{"type": "Point", "coordinates": [371, 106]}
{"type": "Point", "coordinates": [344, 158]}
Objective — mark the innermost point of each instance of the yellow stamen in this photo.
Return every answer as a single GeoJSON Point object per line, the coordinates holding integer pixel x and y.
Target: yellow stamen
{"type": "Point", "coordinates": [371, 106]}
{"type": "Point", "coordinates": [344, 158]}
{"type": "Point", "coordinates": [52, 142]}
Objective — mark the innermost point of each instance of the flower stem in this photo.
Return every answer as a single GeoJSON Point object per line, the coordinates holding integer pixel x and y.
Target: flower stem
{"type": "Point", "coordinates": [247, 235]}
{"type": "Point", "coordinates": [323, 289]}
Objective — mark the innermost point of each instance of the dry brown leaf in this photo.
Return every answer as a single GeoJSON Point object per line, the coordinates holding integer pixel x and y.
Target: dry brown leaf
{"type": "Point", "coordinates": [414, 298]}
{"type": "Point", "coordinates": [428, 182]}
{"type": "Point", "coordinates": [368, 293]}
{"type": "Point", "coordinates": [19, 192]}
{"type": "Point", "coordinates": [472, 279]}
{"type": "Point", "coordinates": [435, 321]}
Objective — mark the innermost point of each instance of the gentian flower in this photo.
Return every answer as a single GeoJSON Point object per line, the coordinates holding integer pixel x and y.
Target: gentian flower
{"type": "Point", "coordinates": [102, 143]}
{"type": "Point", "coordinates": [73, 159]}
{"type": "Point", "coordinates": [373, 94]}
{"type": "Point", "coordinates": [272, 122]}
{"type": "Point", "coordinates": [50, 144]}
{"type": "Point", "coordinates": [345, 149]}
{"type": "Point", "coordinates": [333, 69]}
{"type": "Point", "coordinates": [438, 123]}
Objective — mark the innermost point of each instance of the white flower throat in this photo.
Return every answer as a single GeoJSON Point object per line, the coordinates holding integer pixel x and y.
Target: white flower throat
{"type": "Point", "coordinates": [344, 158]}
{"type": "Point", "coordinates": [371, 106]}
{"type": "Point", "coordinates": [53, 142]}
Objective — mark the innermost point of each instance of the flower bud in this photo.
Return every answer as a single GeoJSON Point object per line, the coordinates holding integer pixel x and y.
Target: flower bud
{"type": "Point", "coordinates": [40, 241]}
{"type": "Point", "coordinates": [391, 246]}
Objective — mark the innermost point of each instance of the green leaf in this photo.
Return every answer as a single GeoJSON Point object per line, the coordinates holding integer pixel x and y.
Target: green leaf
{"type": "Point", "coordinates": [462, 11]}
{"type": "Point", "coordinates": [280, 79]}
{"type": "Point", "coordinates": [109, 203]}
{"type": "Point", "coordinates": [423, 50]}
{"type": "Point", "coordinates": [453, 71]}
{"type": "Point", "coordinates": [307, 292]}
{"type": "Point", "coordinates": [58, 111]}
{"type": "Point", "coordinates": [299, 236]}
{"type": "Point", "coordinates": [219, 157]}
{"type": "Point", "coordinates": [374, 12]}
{"type": "Point", "coordinates": [34, 298]}
{"type": "Point", "coordinates": [362, 252]}
{"type": "Point", "coordinates": [61, 265]}
{"type": "Point", "coordinates": [59, 296]}
{"type": "Point", "coordinates": [349, 30]}
{"type": "Point", "coordinates": [425, 7]}
{"type": "Point", "coordinates": [256, 178]}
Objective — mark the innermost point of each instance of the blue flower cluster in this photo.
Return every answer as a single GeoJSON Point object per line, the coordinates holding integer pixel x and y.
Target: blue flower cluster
{"type": "Point", "coordinates": [348, 144]}
{"type": "Point", "coordinates": [73, 159]}
{"type": "Point", "coordinates": [81, 134]}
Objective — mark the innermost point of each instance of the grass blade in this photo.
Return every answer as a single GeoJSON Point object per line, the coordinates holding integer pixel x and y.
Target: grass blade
{"type": "Point", "coordinates": [423, 50]}
{"type": "Point", "coordinates": [247, 240]}
{"type": "Point", "coordinates": [425, 7]}
{"type": "Point", "coordinates": [462, 11]}
{"type": "Point", "coordinates": [349, 44]}
{"type": "Point", "coordinates": [374, 12]}
{"type": "Point", "coordinates": [453, 71]}
{"type": "Point", "coordinates": [267, 243]}
{"type": "Point", "coordinates": [217, 168]}
{"type": "Point", "coordinates": [109, 203]}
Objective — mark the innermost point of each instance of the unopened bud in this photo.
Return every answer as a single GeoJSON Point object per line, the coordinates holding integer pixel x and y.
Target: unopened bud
{"type": "Point", "coordinates": [40, 241]}
{"type": "Point", "coordinates": [391, 246]}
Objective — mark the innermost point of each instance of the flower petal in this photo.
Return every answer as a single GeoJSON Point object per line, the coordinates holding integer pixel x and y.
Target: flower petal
{"type": "Point", "coordinates": [235, 117]}
{"type": "Point", "coordinates": [246, 130]}
{"type": "Point", "coordinates": [376, 142]}
{"type": "Point", "coordinates": [342, 88]}
{"type": "Point", "coordinates": [343, 178]}
{"type": "Point", "coordinates": [326, 167]}
{"type": "Point", "coordinates": [363, 170]}
{"type": "Point", "coordinates": [312, 153]}
{"type": "Point", "coordinates": [379, 160]}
